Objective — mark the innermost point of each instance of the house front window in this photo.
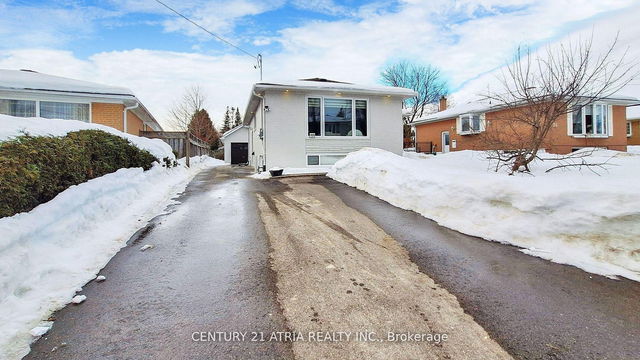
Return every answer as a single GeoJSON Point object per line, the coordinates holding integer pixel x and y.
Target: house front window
{"type": "Point", "coordinates": [313, 116]}
{"type": "Point", "coordinates": [66, 111]}
{"type": "Point", "coordinates": [470, 123]}
{"type": "Point", "coordinates": [337, 117]}
{"type": "Point", "coordinates": [590, 120]}
{"type": "Point", "coordinates": [629, 129]}
{"type": "Point", "coordinates": [21, 108]}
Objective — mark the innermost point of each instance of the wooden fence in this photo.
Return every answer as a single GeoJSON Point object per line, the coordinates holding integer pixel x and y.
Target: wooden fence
{"type": "Point", "coordinates": [425, 147]}
{"type": "Point", "coordinates": [177, 141]}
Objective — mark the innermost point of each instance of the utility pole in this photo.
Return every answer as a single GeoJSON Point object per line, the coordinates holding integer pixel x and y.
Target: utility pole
{"type": "Point", "coordinates": [259, 65]}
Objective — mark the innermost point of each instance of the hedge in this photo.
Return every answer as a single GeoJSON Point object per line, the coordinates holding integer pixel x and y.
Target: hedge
{"type": "Point", "coordinates": [34, 169]}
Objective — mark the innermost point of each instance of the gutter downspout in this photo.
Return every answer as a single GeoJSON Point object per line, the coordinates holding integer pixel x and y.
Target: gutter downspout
{"type": "Point", "coordinates": [124, 118]}
{"type": "Point", "coordinates": [264, 131]}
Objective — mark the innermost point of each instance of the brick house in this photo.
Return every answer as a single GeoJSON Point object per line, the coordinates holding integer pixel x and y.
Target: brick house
{"type": "Point", "coordinates": [26, 93]}
{"type": "Point", "coordinates": [633, 125]}
{"type": "Point", "coordinates": [602, 124]}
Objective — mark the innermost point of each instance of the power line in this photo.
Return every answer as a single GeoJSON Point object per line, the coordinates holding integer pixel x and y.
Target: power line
{"type": "Point", "coordinates": [258, 57]}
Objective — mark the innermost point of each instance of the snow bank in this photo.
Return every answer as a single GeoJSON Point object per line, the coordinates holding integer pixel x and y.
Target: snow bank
{"type": "Point", "coordinates": [11, 127]}
{"type": "Point", "coordinates": [49, 253]}
{"type": "Point", "coordinates": [294, 171]}
{"type": "Point", "coordinates": [634, 149]}
{"type": "Point", "coordinates": [569, 217]}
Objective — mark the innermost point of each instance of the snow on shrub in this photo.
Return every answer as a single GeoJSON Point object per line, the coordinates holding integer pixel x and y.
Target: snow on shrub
{"type": "Point", "coordinates": [11, 127]}
{"type": "Point", "coordinates": [34, 169]}
{"type": "Point", "coordinates": [574, 217]}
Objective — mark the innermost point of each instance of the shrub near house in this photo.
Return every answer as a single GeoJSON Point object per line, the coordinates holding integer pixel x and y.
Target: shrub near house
{"type": "Point", "coordinates": [34, 169]}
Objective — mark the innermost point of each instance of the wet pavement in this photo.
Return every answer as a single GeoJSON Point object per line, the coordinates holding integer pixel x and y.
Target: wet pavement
{"type": "Point", "coordinates": [534, 308]}
{"type": "Point", "coordinates": [208, 272]}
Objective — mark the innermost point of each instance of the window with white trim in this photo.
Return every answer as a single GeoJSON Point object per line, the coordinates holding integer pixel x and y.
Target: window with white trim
{"type": "Point", "coordinates": [590, 120]}
{"type": "Point", "coordinates": [338, 117]}
{"type": "Point", "coordinates": [324, 160]}
{"type": "Point", "coordinates": [470, 124]}
{"type": "Point", "coordinates": [629, 129]}
{"type": "Point", "coordinates": [66, 111]}
{"type": "Point", "coordinates": [20, 108]}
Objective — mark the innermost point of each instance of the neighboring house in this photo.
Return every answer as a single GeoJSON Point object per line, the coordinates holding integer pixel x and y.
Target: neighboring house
{"type": "Point", "coordinates": [316, 122]}
{"type": "Point", "coordinates": [26, 93]}
{"type": "Point", "coordinates": [459, 128]}
{"type": "Point", "coordinates": [633, 125]}
{"type": "Point", "coordinates": [236, 145]}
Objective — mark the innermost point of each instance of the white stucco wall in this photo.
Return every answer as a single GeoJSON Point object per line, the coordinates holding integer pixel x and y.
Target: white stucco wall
{"type": "Point", "coordinates": [285, 130]}
{"type": "Point", "coordinates": [256, 145]}
{"type": "Point", "coordinates": [239, 136]}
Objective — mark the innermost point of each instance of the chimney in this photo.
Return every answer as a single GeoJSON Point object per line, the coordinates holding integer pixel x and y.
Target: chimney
{"type": "Point", "coordinates": [443, 103]}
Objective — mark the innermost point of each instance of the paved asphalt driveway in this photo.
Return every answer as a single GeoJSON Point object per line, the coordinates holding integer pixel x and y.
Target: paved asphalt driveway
{"type": "Point", "coordinates": [209, 271]}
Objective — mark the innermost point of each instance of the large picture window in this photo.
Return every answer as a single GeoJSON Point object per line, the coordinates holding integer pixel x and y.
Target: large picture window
{"type": "Point", "coordinates": [337, 117]}
{"type": "Point", "coordinates": [21, 108]}
{"type": "Point", "coordinates": [590, 120]}
{"type": "Point", "coordinates": [66, 111]}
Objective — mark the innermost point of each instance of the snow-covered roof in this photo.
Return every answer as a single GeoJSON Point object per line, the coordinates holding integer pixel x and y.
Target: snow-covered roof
{"type": "Point", "coordinates": [470, 107]}
{"type": "Point", "coordinates": [333, 85]}
{"type": "Point", "coordinates": [231, 131]}
{"type": "Point", "coordinates": [320, 84]}
{"type": "Point", "coordinates": [30, 80]}
{"type": "Point", "coordinates": [486, 106]}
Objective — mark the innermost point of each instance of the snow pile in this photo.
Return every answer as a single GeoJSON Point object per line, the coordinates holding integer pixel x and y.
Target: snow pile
{"type": "Point", "coordinates": [11, 127]}
{"type": "Point", "coordinates": [571, 217]}
{"type": "Point", "coordinates": [318, 170]}
{"type": "Point", "coordinates": [49, 253]}
{"type": "Point", "coordinates": [415, 155]}
{"type": "Point", "coordinates": [634, 149]}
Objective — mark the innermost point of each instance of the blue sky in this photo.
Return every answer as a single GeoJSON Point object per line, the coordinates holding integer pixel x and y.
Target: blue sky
{"type": "Point", "coordinates": [140, 45]}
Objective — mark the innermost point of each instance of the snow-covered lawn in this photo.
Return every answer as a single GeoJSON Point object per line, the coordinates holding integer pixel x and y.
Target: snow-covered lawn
{"type": "Point", "coordinates": [574, 217]}
{"type": "Point", "coordinates": [634, 149]}
{"type": "Point", "coordinates": [50, 252]}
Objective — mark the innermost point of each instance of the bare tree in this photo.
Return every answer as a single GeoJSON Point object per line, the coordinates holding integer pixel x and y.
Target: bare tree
{"type": "Point", "coordinates": [183, 111]}
{"type": "Point", "coordinates": [539, 89]}
{"type": "Point", "coordinates": [425, 80]}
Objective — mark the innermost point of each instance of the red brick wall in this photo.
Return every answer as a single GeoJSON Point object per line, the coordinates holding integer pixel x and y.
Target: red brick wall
{"type": "Point", "coordinates": [558, 141]}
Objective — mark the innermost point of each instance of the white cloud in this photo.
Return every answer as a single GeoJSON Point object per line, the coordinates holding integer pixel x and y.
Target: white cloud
{"type": "Point", "coordinates": [33, 26]}
{"type": "Point", "coordinates": [156, 77]}
{"type": "Point", "coordinates": [465, 40]}
{"type": "Point", "coordinates": [218, 16]}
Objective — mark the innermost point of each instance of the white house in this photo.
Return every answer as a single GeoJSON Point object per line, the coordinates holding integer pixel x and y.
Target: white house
{"type": "Point", "coordinates": [236, 145]}
{"type": "Point", "coordinates": [316, 122]}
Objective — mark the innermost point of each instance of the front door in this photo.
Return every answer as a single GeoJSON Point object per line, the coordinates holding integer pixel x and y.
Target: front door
{"type": "Point", "coordinates": [445, 141]}
{"type": "Point", "coordinates": [239, 153]}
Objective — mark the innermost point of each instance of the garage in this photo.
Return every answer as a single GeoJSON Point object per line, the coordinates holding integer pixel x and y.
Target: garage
{"type": "Point", "coordinates": [239, 153]}
{"type": "Point", "coordinates": [236, 145]}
